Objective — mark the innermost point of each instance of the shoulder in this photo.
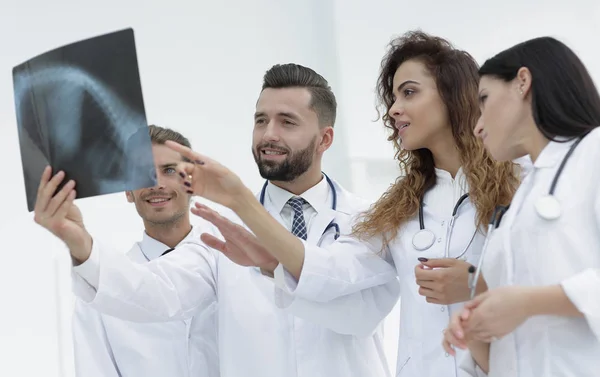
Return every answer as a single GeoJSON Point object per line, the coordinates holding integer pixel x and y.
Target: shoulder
{"type": "Point", "coordinates": [591, 142]}
{"type": "Point", "coordinates": [134, 250]}
{"type": "Point", "coordinates": [349, 202]}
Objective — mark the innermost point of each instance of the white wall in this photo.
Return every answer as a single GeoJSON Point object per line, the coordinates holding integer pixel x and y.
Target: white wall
{"type": "Point", "coordinates": [201, 66]}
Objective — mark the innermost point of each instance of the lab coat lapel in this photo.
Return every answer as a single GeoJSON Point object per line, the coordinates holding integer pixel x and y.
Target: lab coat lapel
{"type": "Point", "coordinates": [319, 224]}
{"type": "Point", "coordinates": [268, 205]}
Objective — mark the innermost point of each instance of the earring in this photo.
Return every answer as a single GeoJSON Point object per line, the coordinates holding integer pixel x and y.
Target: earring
{"type": "Point", "coordinates": [521, 91]}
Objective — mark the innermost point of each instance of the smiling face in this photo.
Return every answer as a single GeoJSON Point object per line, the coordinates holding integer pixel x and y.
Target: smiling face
{"type": "Point", "coordinates": [165, 203]}
{"type": "Point", "coordinates": [287, 137]}
{"type": "Point", "coordinates": [418, 111]}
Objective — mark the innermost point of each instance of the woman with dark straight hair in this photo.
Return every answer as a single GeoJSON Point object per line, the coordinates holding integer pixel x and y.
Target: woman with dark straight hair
{"type": "Point", "coordinates": [541, 314]}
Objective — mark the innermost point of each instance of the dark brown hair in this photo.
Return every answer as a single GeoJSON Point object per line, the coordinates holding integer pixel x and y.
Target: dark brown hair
{"type": "Point", "coordinates": [490, 183]}
{"type": "Point", "coordinates": [323, 101]}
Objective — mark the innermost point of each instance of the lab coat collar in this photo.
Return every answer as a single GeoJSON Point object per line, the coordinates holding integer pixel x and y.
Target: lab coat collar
{"type": "Point", "coordinates": [552, 153]}
{"type": "Point", "coordinates": [317, 196]}
{"type": "Point", "coordinates": [152, 248]}
{"type": "Point", "coordinates": [460, 178]}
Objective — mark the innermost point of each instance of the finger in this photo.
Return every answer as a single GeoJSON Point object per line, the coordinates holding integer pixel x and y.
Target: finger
{"type": "Point", "coordinates": [429, 293]}
{"type": "Point", "coordinates": [433, 300]}
{"type": "Point", "coordinates": [222, 223]}
{"type": "Point", "coordinates": [448, 347]}
{"type": "Point", "coordinates": [40, 203]}
{"type": "Point", "coordinates": [428, 285]}
{"type": "Point", "coordinates": [59, 198]}
{"type": "Point", "coordinates": [235, 254]}
{"type": "Point", "coordinates": [476, 301]}
{"type": "Point", "coordinates": [186, 170]}
{"type": "Point", "coordinates": [205, 213]}
{"type": "Point", "coordinates": [44, 179]}
{"type": "Point", "coordinates": [455, 328]}
{"type": "Point", "coordinates": [214, 242]}
{"type": "Point", "coordinates": [439, 262]}
{"type": "Point", "coordinates": [452, 342]}
{"type": "Point", "coordinates": [187, 152]}
{"type": "Point", "coordinates": [425, 275]}
{"type": "Point", "coordinates": [465, 314]}
{"type": "Point", "coordinates": [49, 189]}
{"type": "Point", "coordinates": [63, 209]}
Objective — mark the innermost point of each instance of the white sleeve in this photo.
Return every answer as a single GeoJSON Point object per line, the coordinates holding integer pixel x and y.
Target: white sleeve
{"type": "Point", "coordinates": [467, 367]}
{"type": "Point", "coordinates": [92, 351]}
{"type": "Point", "coordinates": [203, 344]}
{"type": "Point", "coordinates": [170, 287]}
{"type": "Point", "coordinates": [346, 287]}
{"type": "Point", "coordinates": [583, 289]}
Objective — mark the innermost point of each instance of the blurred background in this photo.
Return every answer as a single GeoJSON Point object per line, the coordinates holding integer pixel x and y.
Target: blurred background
{"type": "Point", "coordinates": [201, 66]}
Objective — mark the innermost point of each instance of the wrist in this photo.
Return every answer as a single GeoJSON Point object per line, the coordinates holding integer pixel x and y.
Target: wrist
{"type": "Point", "coordinates": [80, 248]}
{"type": "Point", "coordinates": [481, 285]}
{"type": "Point", "coordinates": [270, 267]}
{"type": "Point", "coordinates": [544, 300]}
{"type": "Point", "coordinates": [244, 203]}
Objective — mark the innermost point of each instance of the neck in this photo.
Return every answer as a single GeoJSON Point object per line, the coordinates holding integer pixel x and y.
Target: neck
{"type": "Point", "coordinates": [302, 183]}
{"type": "Point", "coordinates": [170, 234]}
{"type": "Point", "coordinates": [446, 156]}
{"type": "Point", "coordinates": [534, 145]}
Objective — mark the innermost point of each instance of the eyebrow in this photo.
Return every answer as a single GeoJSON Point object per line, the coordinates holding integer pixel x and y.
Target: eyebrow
{"type": "Point", "coordinates": [406, 83]}
{"type": "Point", "coordinates": [280, 114]}
{"type": "Point", "coordinates": [168, 165]}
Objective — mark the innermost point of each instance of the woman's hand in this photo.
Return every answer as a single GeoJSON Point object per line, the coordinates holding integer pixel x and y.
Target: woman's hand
{"type": "Point", "coordinates": [497, 312]}
{"type": "Point", "coordinates": [455, 334]}
{"type": "Point", "coordinates": [445, 281]}
{"type": "Point", "coordinates": [209, 179]}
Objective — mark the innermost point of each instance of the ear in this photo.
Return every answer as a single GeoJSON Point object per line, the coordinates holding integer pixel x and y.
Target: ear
{"type": "Point", "coordinates": [130, 197]}
{"type": "Point", "coordinates": [326, 139]}
{"type": "Point", "coordinates": [523, 81]}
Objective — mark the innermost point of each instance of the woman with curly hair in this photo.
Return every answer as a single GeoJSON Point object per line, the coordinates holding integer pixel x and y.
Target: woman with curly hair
{"type": "Point", "coordinates": [430, 223]}
{"type": "Point", "coordinates": [429, 92]}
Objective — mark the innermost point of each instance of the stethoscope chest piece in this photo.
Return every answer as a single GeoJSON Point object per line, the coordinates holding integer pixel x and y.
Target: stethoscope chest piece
{"type": "Point", "coordinates": [548, 207]}
{"type": "Point", "coordinates": [423, 239]}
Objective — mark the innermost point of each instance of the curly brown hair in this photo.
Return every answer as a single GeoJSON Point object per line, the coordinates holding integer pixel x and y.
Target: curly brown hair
{"type": "Point", "coordinates": [490, 183]}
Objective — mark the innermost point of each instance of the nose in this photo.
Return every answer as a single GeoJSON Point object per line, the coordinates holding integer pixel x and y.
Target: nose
{"type": "Point", "coordinates": [396, 110]}
{"type": "Point", "coordinates": [478, 127]}
{"type": "Point", "coordinates": [160, 182]}
{"type": "Point", "coordinates": [271, 133]}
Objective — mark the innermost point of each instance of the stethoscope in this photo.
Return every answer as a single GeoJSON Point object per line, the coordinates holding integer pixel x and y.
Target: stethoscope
{"type": "Point", "coordinates": [424, 238]}
{"type": "Point", "coordinates": [547, 207]}
{"type": "Point", "coordinates": [332, 224]}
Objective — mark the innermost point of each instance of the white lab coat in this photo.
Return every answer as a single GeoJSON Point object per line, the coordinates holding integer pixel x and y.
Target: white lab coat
{"type": "Point", "coordinates": [106, 346]}
{"type": "Point", "coordinates": [420, 351]}
{"type": "Point", "coordinates": [527, 250]}
{"type": "Point", "coordinates": [259, 335]}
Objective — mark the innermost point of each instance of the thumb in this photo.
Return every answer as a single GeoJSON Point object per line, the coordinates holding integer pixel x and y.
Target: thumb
{"type": "Point", "coordinates": [475, 302]}
{"type": "Point", "coordinates": [212, 241]}
{"type": "Point", "coordinates": [439, 262]}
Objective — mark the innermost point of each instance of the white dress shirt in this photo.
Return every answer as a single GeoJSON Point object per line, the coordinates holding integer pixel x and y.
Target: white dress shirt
{"type": "Point", "coordinates": [106, 346]}
{"type": "Point", "coordinates": [260, 333]}
{"type": "Point", "coordinates": [528, 250]}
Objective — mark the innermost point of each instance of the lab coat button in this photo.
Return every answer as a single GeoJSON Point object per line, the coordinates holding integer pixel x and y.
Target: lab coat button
{"type": "Point", "coordinates": [440, 239]}
{"type": "Point", "coordinates": [447, 354]}
{"type": "Point", "coordinates": [443, 308]}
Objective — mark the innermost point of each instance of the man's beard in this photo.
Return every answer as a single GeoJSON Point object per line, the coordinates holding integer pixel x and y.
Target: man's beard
{"type": "Point", "coordinates": [294, 165]}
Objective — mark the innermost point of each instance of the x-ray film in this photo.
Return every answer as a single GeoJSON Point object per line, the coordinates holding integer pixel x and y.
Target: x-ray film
{"type": "Point", "coordinates": [80, 109]}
